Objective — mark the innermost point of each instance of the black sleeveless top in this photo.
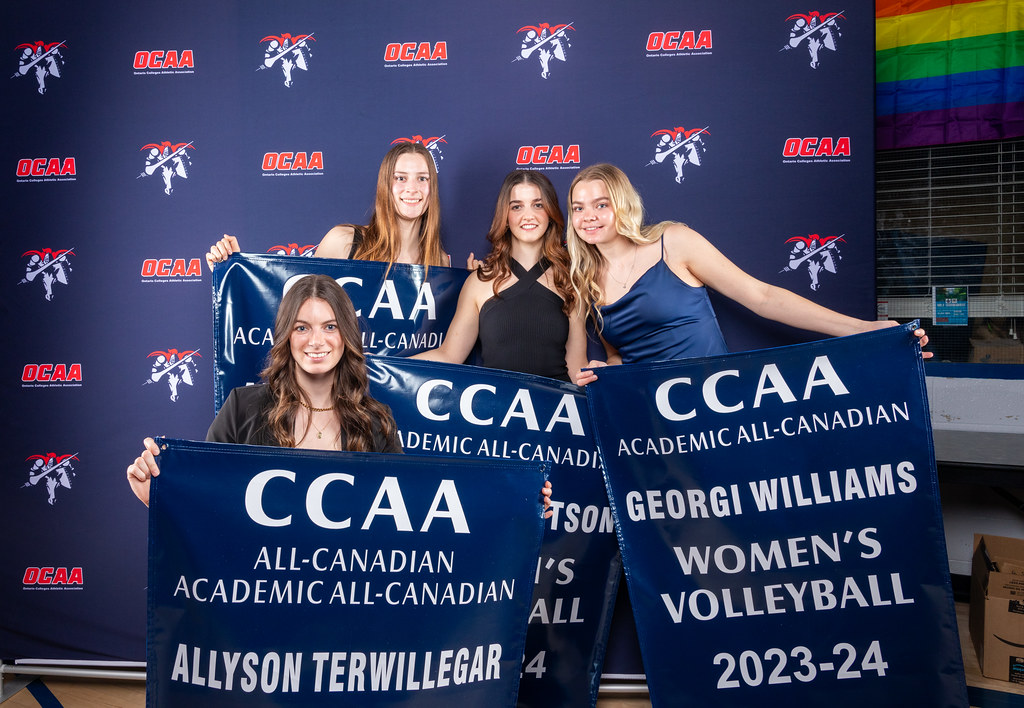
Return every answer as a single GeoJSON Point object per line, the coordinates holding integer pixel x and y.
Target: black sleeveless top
{"type": "Point", "coordinates": [523, 328]}
{"type": "Point", "coordinates": [358, 233]}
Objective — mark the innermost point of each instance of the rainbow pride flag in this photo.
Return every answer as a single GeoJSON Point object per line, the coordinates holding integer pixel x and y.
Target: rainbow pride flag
{"type": "Point", "coordinates": [948, 71]}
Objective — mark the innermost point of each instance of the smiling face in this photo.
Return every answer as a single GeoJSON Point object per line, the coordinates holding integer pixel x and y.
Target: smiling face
{"type": "Point", "coordinates": [316, 342]}
{"type": "Point", "coordinates": [410, 186]}
{"type": "Point", "coordinates": [593, 216]}
{"type": "Point", "coordinates": [527, 217]}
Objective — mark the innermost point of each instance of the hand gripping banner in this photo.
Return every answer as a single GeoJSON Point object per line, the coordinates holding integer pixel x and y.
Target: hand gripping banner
{"type": "Point", "coordinates": [294, 578]}
{"type": "Point", "coordinates": [779, 521]}
{"type": "Point", "coordinates": [402, 310]}
{"type": "Point", "coordinates": [486, 413]}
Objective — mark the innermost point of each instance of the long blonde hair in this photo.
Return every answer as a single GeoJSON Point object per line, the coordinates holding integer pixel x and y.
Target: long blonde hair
{"type": "Point", "coordinates": [357, 412]}
{"type": "Point", "coordinates": [381, 241]}
{"type": "Point", "coordinates": [586, 261]}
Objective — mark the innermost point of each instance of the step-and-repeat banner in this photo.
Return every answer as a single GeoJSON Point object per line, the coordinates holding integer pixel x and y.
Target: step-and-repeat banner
{"type": "Point", "coordinates": [780, 527]}
{"type": "Point", "coordinates": [141, 133]}
{"type": "Point", "coordinates": [303, 578]}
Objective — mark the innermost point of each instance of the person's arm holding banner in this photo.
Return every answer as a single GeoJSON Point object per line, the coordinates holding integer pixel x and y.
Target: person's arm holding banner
{"type": "Point", "coordinates": [405, 226]}
{"type": "Point", "coordinates": [143, 469]}
{"type": "Point", "coordinates": [222, 250]}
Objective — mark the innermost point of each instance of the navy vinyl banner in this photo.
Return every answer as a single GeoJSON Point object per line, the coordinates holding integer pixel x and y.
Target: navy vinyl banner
{"type": "Point", "coordinates": [488, 413]}
{"type": "Point", "coordinates": [780, 528]}
{"type": "Point", "coordinates": [284, 577]}
{"type": "Point", "coordinates": [402, 309]}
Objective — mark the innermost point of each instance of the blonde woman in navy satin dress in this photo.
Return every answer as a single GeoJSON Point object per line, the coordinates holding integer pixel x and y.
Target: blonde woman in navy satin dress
{"type": "Point", "coordinates": [645, 286]}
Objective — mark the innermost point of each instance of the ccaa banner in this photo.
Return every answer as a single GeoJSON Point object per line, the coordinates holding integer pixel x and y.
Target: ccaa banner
{"type": "Point", "coordinates": [487, 413]}
{"type": "Point", "coordinates": [284, 577]}
{"type": "Point", "coordinates": [780, 528]}
{"type": "Point", "coordinates": [402, 309]}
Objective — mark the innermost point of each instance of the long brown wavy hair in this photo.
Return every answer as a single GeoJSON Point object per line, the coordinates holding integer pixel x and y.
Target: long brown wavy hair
{"type": "Point", "coordinates": [381, 242]}
{"type": "Point", "coordinates": [497, 265]}
{"type": "Point", "coordinates": [357, 412]}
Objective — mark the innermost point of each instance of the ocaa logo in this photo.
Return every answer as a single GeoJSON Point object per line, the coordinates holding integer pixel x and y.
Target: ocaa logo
{"type": "Point", "coordinates": [51, 472]}
{"type": "Point", "coordinates": [678, 41]}
{"type": "Point", "coordinates": [287, 53]}
{"type": "Point", "coordinates": [49, 267]}
{"type": "Point", "coordinates": [160, 59]}
{"type": "Point", "coordinates": [170, 160]}
{"type": "Point", "coordinates": [544, 42]}
{"type": "Point", "coordinates": [295, 163]}
{"type": "Point", "coordinates": [42, 60]}
{"type": "Point", "coordinates": [412, 51]}
{"type": "Point", "coordinates": [46, 167]}
{"type": "Point", "coordinates": [816, 147]}
{"type": "Point", "coordinates": [174, 368]}
{"type": "Point", "coordinates": [51, 372]}
{"type": "Point", "coordinates": [548, 154]}
{"type": "Point", "coordinates": [818, 30]}
{"type": "Point", "coordinates": [679, 147]}
{"type": "Point", "coordinates": [52, 576]}
{"type": "Point", "coordinates": [155, 270]}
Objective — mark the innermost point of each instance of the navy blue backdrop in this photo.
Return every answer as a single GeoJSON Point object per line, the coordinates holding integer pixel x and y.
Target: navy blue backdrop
{"type": "Point", "coordinates": [152, 129]}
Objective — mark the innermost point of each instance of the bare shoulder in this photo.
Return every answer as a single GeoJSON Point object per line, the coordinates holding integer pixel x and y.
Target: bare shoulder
{"type": "Point", "coordinates": [679, 237]}
{"type": "Point", "coordinates": [687, 253]}
{"type": "Point", "coordinates": [337, 242]}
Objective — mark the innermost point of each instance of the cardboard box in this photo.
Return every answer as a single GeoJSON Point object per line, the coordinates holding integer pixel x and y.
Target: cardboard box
{"type": "Point", "coordinates": [997, 606]}
{"type": "Point", "coordinates": [997, 351]}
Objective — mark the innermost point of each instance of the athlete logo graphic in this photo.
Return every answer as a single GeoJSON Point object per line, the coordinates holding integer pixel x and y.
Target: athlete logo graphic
{"type": "Point", "coordinates": [293, 249]}
{"type": "Point", "coordinates": [685, 147]}
{"type": "Point", "coordinates": [819, 30]}
{"type": "Point", "coordinates": [549, 42]}
{"type": "Point", "coordinates": [52, 469]}
{"type": "Point", "coordinates": [171, 160]}
{"type": "Point", "coordinates": [51, 267]}
{"type": "Point", "coordinates": [816, 253]}
{"type": "Point", "coordinates": [42, 59]}
{"type": "Point", "coordinates": [291, 52]}
{"type": "Point", "coordinates": [178, 367]}
{"type": "Point", "coordinates": [433, 145]}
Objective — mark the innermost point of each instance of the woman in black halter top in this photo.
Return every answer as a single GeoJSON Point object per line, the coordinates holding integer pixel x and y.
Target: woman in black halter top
{"type": "Point", "coordinates": [518, 300]}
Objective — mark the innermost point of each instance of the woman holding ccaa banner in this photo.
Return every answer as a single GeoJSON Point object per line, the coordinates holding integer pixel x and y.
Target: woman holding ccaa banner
{"type": "Point", "coordinates": [315, 390]}
{"type": "Point", "coordinates": [406, 223]}
{"type": "Point", "coordinates": [645, 285]}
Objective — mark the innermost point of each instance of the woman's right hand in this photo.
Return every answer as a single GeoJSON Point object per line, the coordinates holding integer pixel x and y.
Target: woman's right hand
{"type": "Point", "coordinates": [143, 469]}
{"type": "Point", "coordinates": [587, 375]}
{"type": "Point", "coordinates": [221, 250]}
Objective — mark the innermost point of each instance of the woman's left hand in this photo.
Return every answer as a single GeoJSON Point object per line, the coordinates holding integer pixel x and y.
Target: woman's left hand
{"type": "Point", "coordinates": [922, 339]}
{"type": "Point", "coordinates": [922, 336]}
{"type": "Point", "coordinates": [545, 492]}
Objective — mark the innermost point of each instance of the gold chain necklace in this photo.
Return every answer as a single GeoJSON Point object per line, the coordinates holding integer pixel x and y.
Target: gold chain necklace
{"type": "Point", "coordinates": [312, 409]}
{"type": "Point", "coordinates": [622, 283]}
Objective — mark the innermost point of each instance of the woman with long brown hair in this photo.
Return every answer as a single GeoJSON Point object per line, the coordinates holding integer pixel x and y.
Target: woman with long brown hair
{"type": "Point", "coordinates": [405, 226]}
{"type": "Point", "coordinates": [315, 390]}
{"type": "Point", "coordinates": [519, 301]}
